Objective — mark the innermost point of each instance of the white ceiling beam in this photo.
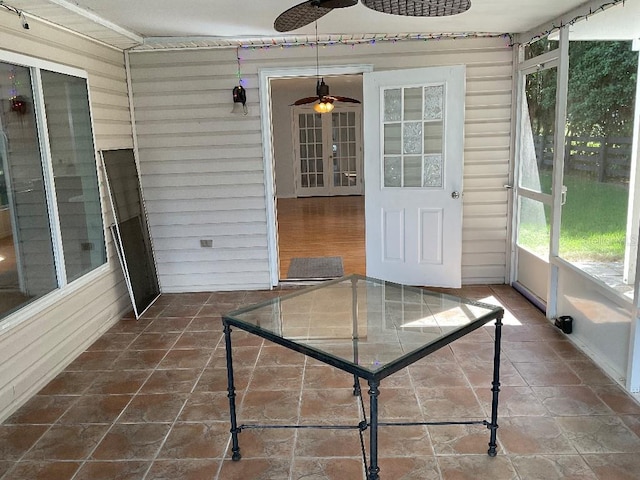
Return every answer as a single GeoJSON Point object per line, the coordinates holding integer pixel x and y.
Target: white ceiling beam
{"type": "Point", "coordinates": [99, 20]}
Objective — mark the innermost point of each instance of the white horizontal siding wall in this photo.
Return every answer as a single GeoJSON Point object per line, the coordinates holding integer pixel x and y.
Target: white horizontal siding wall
{"type": "Point", "coordinates": [202, 168]}
{"type": "Point", "coordinates": [39, 341]}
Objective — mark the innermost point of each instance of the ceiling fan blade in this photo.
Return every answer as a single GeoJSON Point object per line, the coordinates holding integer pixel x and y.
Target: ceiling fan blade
{"type": "Point", "coordinates": [338, 3]}
{"type": "Point", "coordinates": [299, 15]}
{"type": "Point", "coordinates": [305, 100]}
{"type": "Point", "coordinates": [344, 99]}
{"type": "Point", "coordinates": [419, 8]}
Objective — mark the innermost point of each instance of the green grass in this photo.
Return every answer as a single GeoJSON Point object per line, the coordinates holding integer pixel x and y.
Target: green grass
{"type": "Point", "coordinates": [594, 221]}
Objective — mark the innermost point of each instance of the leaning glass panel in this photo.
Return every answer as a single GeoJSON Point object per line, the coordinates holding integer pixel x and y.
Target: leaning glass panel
{"type": "Point", "coordinates": [75, 175]}
{"type": "Point", "coordinates": [27, 268]}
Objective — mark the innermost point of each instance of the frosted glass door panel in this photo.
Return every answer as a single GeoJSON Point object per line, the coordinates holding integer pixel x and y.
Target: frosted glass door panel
{"type": "Point", "coordinates": [413, 137]}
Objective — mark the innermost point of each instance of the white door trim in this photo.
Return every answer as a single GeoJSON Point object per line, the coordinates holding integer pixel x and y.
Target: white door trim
{"type": "Point", "coordinates": [264, 87]}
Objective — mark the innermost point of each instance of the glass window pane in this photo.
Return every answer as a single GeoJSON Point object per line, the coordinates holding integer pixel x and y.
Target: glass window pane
{"type": "Point", "coordinates": [392, 172]}
{"type": "Point", "coordinates": [392, 140]}
{"type": "Point", "coordinates": [27, 268]}
{"type": "Point", "coordinates": [537, 130]}
{"type": "Point", "coordinates": [433, 132]}
{"type": "Point", "coordinates": [412, 104]}
{"type": "Point", "coordinates": [392, 105]}
{"type": "Point", "coordinates": [75, 175]}
{"type": "Point", "coordinates": [302, 119]}
{"type": "Point", "coordinates": [412, 141]}
{"type": "Point", "coordinates": [432, 171]}
{"type": "Point", "coordinates": [533, 227]}
{"type": "Point", "coordinates": [433, 102]}
{"type": "Point", "coordinates": [539, 47]}
{"type": "Point", "coordinates": [412, 171]}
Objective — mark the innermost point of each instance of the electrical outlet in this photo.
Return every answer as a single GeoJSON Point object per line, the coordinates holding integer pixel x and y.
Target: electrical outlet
{"type": "Point", "coordinates": [206, 243]}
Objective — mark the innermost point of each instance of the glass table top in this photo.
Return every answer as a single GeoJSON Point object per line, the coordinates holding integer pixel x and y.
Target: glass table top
{"type": "Point", "coordinates": [365, 326]}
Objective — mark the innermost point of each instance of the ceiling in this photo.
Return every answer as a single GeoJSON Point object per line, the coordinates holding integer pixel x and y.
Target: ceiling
{"type": "Point", "coordinates": [171, 23]}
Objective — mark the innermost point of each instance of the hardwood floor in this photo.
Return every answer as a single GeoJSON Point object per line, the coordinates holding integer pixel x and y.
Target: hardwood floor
{"type": "Point", "coordinates": [322, 227]}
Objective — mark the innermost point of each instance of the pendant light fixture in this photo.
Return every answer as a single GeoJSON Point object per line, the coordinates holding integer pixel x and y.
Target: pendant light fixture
{"type": "Point", "coordinates": [324, 100]}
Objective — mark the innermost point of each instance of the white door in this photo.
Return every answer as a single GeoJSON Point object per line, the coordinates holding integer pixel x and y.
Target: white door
{"type": "Point", "coordinates": [328, 151]}
{"type": "Point", "coordinates": [414, 133]}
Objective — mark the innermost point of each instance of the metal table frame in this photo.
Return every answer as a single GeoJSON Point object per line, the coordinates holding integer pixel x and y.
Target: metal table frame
{"type": "Point", "coordinates": [373, 378]}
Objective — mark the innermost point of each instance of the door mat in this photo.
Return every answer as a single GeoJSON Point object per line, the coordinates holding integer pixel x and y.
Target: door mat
{"type": "Point", "coordinates": [315, 268]}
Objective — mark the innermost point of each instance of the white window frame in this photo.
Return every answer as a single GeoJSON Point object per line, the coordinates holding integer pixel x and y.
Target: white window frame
{"type": "Point", "coordinates": [64, 288]}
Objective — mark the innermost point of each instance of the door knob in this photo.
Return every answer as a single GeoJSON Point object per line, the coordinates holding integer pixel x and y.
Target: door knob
{"type": "Point", "coordinates": [455, 195]}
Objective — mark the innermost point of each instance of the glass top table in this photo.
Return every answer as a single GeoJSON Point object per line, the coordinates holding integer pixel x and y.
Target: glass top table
{"type": "Point", "coordinates": [369, 328]}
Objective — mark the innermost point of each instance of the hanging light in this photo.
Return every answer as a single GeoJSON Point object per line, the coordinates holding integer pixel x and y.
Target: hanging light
{"type": "Point", "coordinates": [323, 107]}
{"type": "Point", "coordinates": [239, 93]}
{"type": "Point", "coordinates": [325, 101]}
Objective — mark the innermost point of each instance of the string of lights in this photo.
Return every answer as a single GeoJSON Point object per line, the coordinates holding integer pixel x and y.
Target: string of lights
{"type": "Point", "coordinates": [367, 40]}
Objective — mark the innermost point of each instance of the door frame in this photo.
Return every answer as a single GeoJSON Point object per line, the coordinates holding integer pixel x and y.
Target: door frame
{"type": "Point", "coordinates": [266, 112]}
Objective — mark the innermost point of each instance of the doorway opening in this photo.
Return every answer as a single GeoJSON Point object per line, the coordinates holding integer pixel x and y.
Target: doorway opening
{"type": "Point", "coordinates": [325, 219]}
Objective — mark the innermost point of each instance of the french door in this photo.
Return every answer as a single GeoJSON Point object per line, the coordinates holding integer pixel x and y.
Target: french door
{"type": "Point", "coordinates": [327, 151]}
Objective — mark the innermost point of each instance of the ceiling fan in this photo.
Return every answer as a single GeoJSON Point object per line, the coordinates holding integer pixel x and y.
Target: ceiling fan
{"type": "Point", "coordinates": [311, 10]}
{"type": "Point", "coordinates": [325, 101]}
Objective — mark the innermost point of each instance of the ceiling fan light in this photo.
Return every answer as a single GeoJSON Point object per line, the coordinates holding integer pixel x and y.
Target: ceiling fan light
{"type": "Point", "coordinates": [323, 107]}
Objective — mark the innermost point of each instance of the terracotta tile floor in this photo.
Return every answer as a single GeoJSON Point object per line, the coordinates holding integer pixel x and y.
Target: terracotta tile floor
{"type": "Point", "coordinates": [148, 401]}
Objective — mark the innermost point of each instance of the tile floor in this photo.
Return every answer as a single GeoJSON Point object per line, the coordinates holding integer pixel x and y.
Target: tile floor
{"type": "Point", "coordinates": [148, 401]}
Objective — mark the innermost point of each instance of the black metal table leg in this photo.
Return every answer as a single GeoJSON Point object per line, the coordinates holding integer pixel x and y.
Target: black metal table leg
{"type": "Point", "coordinates": [235, 447]}
{"type": "Point", "coordinates": [373, 433]}
{"type": "Point", "coordinates": [495, 388]}
{"type": "Point", "coordinates": [354, 334]}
